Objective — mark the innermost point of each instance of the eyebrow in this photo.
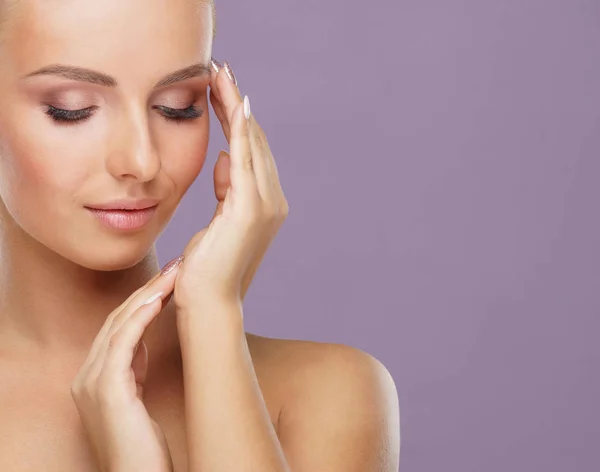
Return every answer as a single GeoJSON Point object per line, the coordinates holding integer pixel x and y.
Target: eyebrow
{"type": "Point", "coordinates": [88, 75]}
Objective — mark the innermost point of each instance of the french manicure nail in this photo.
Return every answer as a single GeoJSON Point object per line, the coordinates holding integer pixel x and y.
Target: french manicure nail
{"type": "Point", "coordinates": [153, 297]}
{"type": "Point", "coordinates": [171, 265]}
{"type": "Point", "coordinates": [215, 65]}
{"type": "Point", "coordinates": [246, 107]}
{"type": "Point", "coordinates": [230, 73]}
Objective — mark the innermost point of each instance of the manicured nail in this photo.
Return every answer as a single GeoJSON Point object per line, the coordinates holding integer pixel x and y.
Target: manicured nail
{"type": "Point", "coordinates": [153, 297]}
{"type": "Point", "coordinates": [171, 265]}
{"type": "Point", "coordinates": [246, 107]}
{"type": "Point", "coordinates": [230, 73]}
{"type": "Point", "coordinates": [215, 65]}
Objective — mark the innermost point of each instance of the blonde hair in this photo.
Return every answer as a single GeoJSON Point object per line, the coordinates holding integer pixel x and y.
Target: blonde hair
{"type": "Point", "coordinates": [8, 10]}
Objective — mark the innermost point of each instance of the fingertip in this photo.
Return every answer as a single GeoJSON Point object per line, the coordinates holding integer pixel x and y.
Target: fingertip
{"type": "Point", "coordinates": [172, 265]}
{"type": "Point", "coordinates": [240, 116]}
{"type": "Point", "coordinates": [246, 107]}
{"type": "Point", "coordinates": [153, 298]}
{"type": "Point", "coordinates": [216, 65]}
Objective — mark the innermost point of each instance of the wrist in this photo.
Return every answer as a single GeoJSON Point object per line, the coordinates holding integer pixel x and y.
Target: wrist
{"type": "Point", "coordinates": [221, 311]}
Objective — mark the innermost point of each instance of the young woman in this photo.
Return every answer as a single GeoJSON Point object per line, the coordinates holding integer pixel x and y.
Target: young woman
{"type": "Point", "coordinates": [107, 363]}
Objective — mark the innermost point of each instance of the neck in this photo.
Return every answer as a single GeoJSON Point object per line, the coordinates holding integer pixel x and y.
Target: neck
{"type": "Point", "coordinates": [52, 308]}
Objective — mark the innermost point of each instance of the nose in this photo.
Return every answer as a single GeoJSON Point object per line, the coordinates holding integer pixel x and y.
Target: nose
{"type": "Point", "coordinates": [133, 155]}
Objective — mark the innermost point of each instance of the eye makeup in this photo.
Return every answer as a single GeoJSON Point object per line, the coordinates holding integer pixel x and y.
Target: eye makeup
{"type": "Point", "coordinates": [180, 114]}
{"type": "Point", "coordinates": [68, 117]}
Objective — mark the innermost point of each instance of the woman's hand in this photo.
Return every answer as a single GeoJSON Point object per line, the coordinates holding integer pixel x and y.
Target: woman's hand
{"type": "Point", "coordinates": [108, 388]}
{"type": "Point", "coordinates": [221, 259]}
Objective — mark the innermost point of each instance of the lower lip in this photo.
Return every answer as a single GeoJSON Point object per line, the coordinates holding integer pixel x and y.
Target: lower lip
{"type": "Point", "coordinates": [124, 219]}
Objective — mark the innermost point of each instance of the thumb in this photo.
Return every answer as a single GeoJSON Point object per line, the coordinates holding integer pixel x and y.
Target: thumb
{"type": "Point", "coordinates": [220, 204]}
{"type": "Point", "coordinates": [221, 175]}
{"type": "Point", "coordinates": [222, 181]}
{"type": "Point", "coordinates": [222, 184]}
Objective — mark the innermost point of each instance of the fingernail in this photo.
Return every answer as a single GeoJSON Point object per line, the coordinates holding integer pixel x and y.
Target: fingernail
{"type": "Point", "coordinates": [171, 265]}
{"type": "Point", "coordinates": [152, 298]}
{"type": "Point", "coordinates": [230, 73]}
{"type": "Point", "coordinates": [215, 65]}
{"type": "Point", "coordinates": [246, 107]}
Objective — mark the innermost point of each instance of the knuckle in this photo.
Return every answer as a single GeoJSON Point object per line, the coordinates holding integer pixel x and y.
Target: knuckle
{"type": "Point", "coordinates": [113, 342]}
{"type": "Point", "coordinates": [258, 141]}
{"type": "Point", "coordinates": [285, 208]}
{"type": "Point", "coordinates": [270, 213]}
{"type": "Point", "coordinates": [245, 131]}
{"type": "Point", "coordinates": [116, 340]}
{"type": "Point", "coordinates": [248, 161]}
{"type": "Point", "coordinates": [82, 390]}
{"type": "Point", "coordinates": [88, 391]}
{"type": "Point", "coordinates": [260, 132]}
{"type": "Point", "coordinates": [76, 389]}
{"type": "Point", "coordinates": [111, 318]}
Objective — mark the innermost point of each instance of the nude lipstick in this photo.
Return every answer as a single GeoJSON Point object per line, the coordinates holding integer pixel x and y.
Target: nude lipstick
{"type": "Point", "coordinates": [124, 214]}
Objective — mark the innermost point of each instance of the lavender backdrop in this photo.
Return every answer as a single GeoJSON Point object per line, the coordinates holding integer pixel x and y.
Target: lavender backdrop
{"type": "Point", "coordinates": [441, 163]}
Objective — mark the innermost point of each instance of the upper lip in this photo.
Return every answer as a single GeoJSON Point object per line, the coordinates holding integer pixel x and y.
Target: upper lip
{"type": "Point", "coordinates": [125, 204]}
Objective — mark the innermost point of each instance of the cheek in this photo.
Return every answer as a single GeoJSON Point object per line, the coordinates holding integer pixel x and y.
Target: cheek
{"type": "Point", "coordinates": [184, 158]}
{"type": "Point", "coordinates": [37, 175]}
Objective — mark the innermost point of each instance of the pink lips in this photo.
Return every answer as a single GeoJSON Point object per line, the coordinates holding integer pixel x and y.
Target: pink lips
{"type": "Point", "coordinates": [125, 214]}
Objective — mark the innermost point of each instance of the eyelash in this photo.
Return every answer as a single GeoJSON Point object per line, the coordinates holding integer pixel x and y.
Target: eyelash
{"type": "Point", "coordinates": [176, 115]}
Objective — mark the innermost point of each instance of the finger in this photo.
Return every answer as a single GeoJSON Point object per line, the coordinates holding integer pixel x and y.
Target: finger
{"type": "Point", "coordinates": [221, 175]}
{"type": "Point", "coordinates": [215, 68]}
{"type": "Point", "coordinates": [227, 92]}
{"type": "Point", "coordinates": [94, 369]}
{"type": "Point", "coordinates": [122, 345]}
{"type": "Point", "coordinates": [219, 112]}
{"type": "Point", "coordinates": [230, 99]}
{"type": "Point", "coordinates": [260, 165]}
{"type": "Point", "coordinates": [159, 283]}
{"type": "Point", "coordinates": [243, 181]}
{"type": "Point", "coordinates": [270, 161]}
{"type": "Point", "coordinates": [164, 284]}
{"type": "Point", "coordinates": [267, 176]}
{"type": "Point", "coordinates": [222, 181]}
{"type": "Point", "coordinates": [216, 95]}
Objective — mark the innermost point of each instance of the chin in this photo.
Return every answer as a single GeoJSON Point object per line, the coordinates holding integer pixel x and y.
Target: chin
{"type": "Point", "coordinates": [109, 259]}
{"type": "Point", "coordinates": [82, 238]}
{"type": "Point", "coordinates": [97, 249]}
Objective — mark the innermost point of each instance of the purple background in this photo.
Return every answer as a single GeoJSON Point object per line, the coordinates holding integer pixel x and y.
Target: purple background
{"type": "Point", "coordinates": [441, 163]}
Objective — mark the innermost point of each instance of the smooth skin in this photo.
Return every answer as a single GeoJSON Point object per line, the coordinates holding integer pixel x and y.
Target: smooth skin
{"type": "Point", "coordinates": [94, 391]}
{"type": "Point", "coordinates": [108, 390]}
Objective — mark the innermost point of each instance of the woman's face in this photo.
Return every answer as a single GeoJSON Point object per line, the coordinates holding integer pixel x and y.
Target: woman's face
{"type": "Point", "coordinates": [126, 146]}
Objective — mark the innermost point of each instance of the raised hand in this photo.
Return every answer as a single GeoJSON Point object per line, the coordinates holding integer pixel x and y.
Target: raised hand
{"type": "Point", "coordinates": [108, 388]}
{"type": "Point", "coordinates": [221, 259]}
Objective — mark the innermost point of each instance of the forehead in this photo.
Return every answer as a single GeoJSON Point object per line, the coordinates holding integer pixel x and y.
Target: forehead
{"type": "Point", "coordinates": [106, 34]}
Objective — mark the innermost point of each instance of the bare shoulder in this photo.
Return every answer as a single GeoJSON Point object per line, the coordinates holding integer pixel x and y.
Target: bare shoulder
{"type": "Point", "coordinates": [331, 394]}
{"type": "Point", "coordinates": [310, 360]}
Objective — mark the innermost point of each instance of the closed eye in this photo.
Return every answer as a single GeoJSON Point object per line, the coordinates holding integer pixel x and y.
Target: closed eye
{"type": "Point", "coordinates": [181, 114]}
{"type": "Point", "coordinates": [78, 116]}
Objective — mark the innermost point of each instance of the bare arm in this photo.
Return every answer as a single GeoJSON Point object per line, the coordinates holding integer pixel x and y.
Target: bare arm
{"type": "Point", "coordinates": [228, 426]}
{"type": "Point", "coordinates": [344, 416]}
